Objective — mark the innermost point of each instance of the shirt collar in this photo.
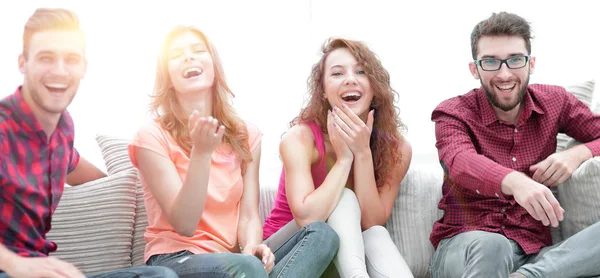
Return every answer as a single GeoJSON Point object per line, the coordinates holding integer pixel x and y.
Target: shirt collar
{"type": "Point", "coordinates": [488, 115]}
{"type": "Point", "coordinates": [23, 115]}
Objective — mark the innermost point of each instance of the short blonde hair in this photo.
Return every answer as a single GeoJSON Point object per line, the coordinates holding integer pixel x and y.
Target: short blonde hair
{"type": "Point", "coordinates": [44, 19]}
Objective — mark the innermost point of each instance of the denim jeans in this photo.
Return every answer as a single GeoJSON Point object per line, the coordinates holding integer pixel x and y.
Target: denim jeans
{"type": "Point", "coordinates": [303, 252]}
{"type": "Point", "coordinates": [485, 254]}
{"type": "Point", "coordinates": [213, 265]}
{"type": "Point", "coordinates": [132, 272]}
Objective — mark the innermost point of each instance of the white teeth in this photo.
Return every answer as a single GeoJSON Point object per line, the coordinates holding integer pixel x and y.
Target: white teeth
{"type": "Point", "coordinates": [351, 94]}
{"type": "Point", "coordinates": [505, 87]}
{"type": "Point", "coordinates": [56, 85]}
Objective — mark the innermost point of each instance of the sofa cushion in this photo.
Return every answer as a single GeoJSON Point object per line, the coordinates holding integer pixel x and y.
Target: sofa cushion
{"type": "Point", "coordinates": [414, 213]}
{"type": "Point", "coordinates": [580, 198]}
{"type": "Point", "coordinates": [580, 195]}
{"type": "Point", "coordinates": [114, 152]}
{"type": "Point", "coordinates": [116, 159]}
{"type": "Point", "coordinates": [93, 223]}
{"type": "Point", "coordinates": [584, 91]}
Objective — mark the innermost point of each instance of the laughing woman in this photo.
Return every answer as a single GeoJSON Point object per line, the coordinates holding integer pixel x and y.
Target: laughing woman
{"type": "Point", "coordinates": [344, 159]}
{"type": "Point", "coordinates": [198, 163]}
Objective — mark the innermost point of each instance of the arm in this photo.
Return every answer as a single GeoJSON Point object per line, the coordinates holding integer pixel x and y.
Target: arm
{"type": "Point", "coordinates": [15, 266]}
{"type": "Point", "coordinates": [307, 203]}
{"type": "Point", "coordinates": [182, 202]}
{"type": "Point", "coordinates": [577, 121]}
{"type": "Point", "coordinates": [249, 226]}
{"type": "Point", "coordinates": [460, 160]}
{"type": "Point", "coordinates": [376, 203]}
{"type": "Point", "coordinates": [84, 172]}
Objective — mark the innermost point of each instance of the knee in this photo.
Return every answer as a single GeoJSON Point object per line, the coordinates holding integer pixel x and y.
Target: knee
{"type": "Point", "coordinates": [376, 230]}
{"type": "Point", "coordinates": [161, 271]}
{"type": "Point", "coordinates": [491, 245]}
{"type": "Point", "coordinates": [248, 266]}
{"type": "Point", "coordinates": [327, 237]}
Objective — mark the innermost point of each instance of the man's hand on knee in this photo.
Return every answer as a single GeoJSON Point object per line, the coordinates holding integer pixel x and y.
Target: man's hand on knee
{"type": "Point", "coordinates": [535, 197]}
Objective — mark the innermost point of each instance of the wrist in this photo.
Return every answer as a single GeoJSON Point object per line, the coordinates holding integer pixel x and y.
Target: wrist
{"type": "Point", "coordinates": [506, 186]}
{"type": "Point", "coordinates": [198, 154]}
{"type": "Point", "coordinates": [7, 260]}
{"type": "Point", "coordinates": [364, 154]}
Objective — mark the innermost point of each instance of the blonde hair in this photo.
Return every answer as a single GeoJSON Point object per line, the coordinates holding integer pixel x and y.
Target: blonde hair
{"type": "Point", "coordinates": [385, 137]}
{"type": "Point", "coordinates": [166, 108]}
{"type": "Point", "coordinates": [45, 19]}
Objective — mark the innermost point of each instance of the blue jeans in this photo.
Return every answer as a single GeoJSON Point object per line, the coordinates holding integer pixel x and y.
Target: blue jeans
{"type": "Point", "coordinates": [132, 272]}
{"type": "Point", "coordinates": [217, 265]}
{"type": "Point", "coordinates": [306, 253]}
{"type": "Point", "coordinates": [485, 254]}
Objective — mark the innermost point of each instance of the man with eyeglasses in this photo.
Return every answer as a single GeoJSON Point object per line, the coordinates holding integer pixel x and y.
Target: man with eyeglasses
{"type": "Point", "coordinates": [497, 147]}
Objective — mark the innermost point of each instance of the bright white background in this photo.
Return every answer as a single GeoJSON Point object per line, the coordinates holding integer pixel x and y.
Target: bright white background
{"type": "Point", "coordinates": [269, 46]}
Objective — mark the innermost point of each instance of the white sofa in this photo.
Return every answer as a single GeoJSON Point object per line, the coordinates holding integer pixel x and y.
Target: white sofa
{"type": "Point", "coordinates": [99, 226]}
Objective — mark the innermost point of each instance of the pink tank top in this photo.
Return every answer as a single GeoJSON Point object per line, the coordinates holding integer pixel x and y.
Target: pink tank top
{"type": "Point", "coordinates": [281, 213]}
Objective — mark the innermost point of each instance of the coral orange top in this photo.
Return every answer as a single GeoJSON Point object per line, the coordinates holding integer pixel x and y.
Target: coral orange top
{"type": "Point", "coordinates": [217, 229]}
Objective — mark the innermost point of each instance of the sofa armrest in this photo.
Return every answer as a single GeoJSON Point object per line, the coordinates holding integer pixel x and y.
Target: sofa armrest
{"type": "Point", "coordinates": [580, 198]}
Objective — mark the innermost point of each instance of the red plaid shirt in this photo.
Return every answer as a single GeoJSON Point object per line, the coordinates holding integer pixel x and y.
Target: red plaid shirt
{"type": "Point", "coordinates": [32, 175]}
{"type": "Point", "coordinates": [477, 151]}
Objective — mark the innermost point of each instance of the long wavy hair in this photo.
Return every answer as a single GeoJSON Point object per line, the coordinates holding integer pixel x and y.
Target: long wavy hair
{"type": "Point", "coordinates": [387, 126]}
{"type": "Point", "coordinates": [165, 107]}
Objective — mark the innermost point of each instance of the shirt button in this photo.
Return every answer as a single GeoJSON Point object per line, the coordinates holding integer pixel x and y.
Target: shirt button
{"type": "Point", "coordinates": [503, 209]}
{"type": "Point", "coordinates": [516, 130]}
{"type": "Point", "coordinates": [514, 159]}
{"type": "Point", "coordinates": [477, 190]}
{"type": "Point", "coordinates": [497, 196]}
{"type": "Point", "coordinates": [502, 227]}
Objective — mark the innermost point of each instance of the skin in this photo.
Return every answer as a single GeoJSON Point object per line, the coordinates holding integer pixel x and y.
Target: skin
{"type": "Point", "coordinates": [183, 202]}
{"type": "Point", "coordinates": [531, 193]}
{"type": "Point", "coordinates": [349, 128]}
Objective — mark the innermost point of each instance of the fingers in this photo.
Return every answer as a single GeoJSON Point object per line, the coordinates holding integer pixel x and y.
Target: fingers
{"type": "Point", "coordinates": [370, 120]}
{"type": "Point", "coordinates": [349, 115]}
{"type": "Point", "coordinates": [539, 169]}
{"type": "Point", "coordinates": [555, 206]}
{"type": "Point", "coordinates": [267, 257]}
{"type": "Point", "coordinates": [342, 120]}
{"type": "Point", "coordinates": [192, 119]}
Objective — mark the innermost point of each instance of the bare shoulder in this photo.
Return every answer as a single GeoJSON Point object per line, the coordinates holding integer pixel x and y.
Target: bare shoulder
{"type": "Point", "coordinates": [299, 140]}
{"type": "Point", "coordinates": [405, 150]}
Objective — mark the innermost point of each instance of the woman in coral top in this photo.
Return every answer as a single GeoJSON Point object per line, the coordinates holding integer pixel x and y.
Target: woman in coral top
{"type": "Point", "coordinates": [198, 163]}
{"type": "Point", "coordinates": [344, 159]}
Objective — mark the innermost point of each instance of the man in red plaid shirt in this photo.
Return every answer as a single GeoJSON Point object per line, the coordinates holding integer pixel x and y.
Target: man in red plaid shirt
{"type": "Point", "coordinates": [36, 149]}
{"type": "Point", "coordinates": [497, 147]}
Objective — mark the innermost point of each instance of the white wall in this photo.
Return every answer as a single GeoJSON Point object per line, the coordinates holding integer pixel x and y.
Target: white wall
{"type": "Point", "coordinates": [268, 48]}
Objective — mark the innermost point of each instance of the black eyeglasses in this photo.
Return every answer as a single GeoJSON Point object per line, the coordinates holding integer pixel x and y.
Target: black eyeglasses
{"type": "Point", "coordinates": [493, 64]}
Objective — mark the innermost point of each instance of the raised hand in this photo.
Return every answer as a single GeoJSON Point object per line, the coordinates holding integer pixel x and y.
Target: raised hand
{"type": "Point", "coordinates": [356, 133]}
{"type": "Point", "coordinates": [205, 132]}
{"type": "Point", "coordinates": [46, 267]}
{"type": "Point", "coordinates": [263, 253]}
{"type": "Point", "coordinates": [341, 148]}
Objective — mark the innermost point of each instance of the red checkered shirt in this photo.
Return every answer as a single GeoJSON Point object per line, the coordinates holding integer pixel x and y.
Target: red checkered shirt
{"type": "Point", "coordinates": [477, 151]}
{"type": "Point", "coordinates": [32, 175]}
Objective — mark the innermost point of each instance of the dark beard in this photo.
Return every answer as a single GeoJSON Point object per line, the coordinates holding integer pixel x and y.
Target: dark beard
{"type": "Point", "coordinates": [489, 94]}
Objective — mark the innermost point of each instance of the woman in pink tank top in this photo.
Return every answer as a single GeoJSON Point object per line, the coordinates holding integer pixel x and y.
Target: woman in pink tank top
{"type": "Point", "coordinates": [344, 158]}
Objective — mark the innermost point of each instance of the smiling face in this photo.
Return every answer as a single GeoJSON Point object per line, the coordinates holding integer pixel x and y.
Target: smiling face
{"type": "Point", "coordinates": [346, 82]}
{"type": "Point", "coordinates": [53, 67]}
{"type": "Point", "coordinates": [190, 64]}
{"type": "Point", "coordinates": [504, 88]}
